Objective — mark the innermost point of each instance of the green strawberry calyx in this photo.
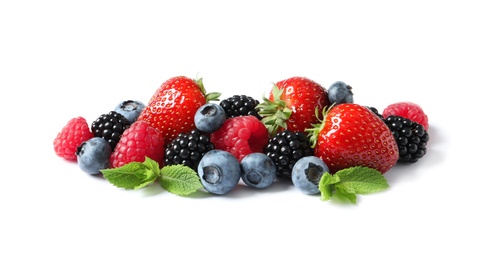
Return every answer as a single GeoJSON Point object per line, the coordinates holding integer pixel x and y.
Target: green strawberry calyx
{"type": "Point", "coordinates": [213, 96]}
{"type": "Point", "coordinates": [314, 131]}
{"type": "Point", "coordinates": [275, 112]}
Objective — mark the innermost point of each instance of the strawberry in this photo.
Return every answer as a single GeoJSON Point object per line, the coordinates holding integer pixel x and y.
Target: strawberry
{"type": "Point", "coordinates": [352, 135]}
{"type": "Point", "coordinates": [173, 106]}
{"type": "Point", "coordinates": [291, 105]}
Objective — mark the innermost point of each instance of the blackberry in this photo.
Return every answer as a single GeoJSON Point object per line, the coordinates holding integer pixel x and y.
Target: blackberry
{"type": "Point", "coordinates": [376, 112]}
{"type": "Point", "coordinates": [286, 148]}
{"type": "Point", "coordinates": [110, 127]}
{"type": "Point", "coordinates": [411, 138]}
{"type": "Point", "coordinates": [188, 149]}
{"type": "Point", "coordinates": [240, 105]}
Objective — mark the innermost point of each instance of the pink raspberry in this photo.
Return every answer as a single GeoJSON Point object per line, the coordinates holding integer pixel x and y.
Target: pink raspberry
{"type": "Point", "coordinates": [72, 135]}
{"type": "Point", "coordinates": [408, 110]}
{"type": "Point", "coordinates": [241, 136]}
{"type": "Point", "coordinates": [140, 140]}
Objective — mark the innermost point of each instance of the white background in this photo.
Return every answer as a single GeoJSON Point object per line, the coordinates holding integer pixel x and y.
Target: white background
{"type": "Point", "coordinates": [62, 59]}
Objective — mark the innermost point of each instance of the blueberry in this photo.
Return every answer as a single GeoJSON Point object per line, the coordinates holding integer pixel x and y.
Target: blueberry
{"type": "Point", "coordinates": [307, 172]}
{"type": "Point", "coordinates": [339, 93]}
{"type": "Point", "coordinates": [219, 171]}
{"type": "Point", "coordinates": [93, 155]}
{"type": "Point", "coordinates": [258, 170]}
{"type": "Point", "coordinates": [209, 117]}
{"type": "Point", "coordinates": [130, 109]}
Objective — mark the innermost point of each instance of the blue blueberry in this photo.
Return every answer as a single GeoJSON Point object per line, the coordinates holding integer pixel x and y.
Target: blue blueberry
{"type": "Point", "coordinates": [93, 155]}
{"type": "Point", "coordinates": [219, 171]}
{"type": "Point", "coordinates": [307, 172]}
{"type": "Point", "coordinates": [209, 117]}
{"type": "Point", "coordinates": [339, 92]}
{"type": "Point", "coordinates": [130, 109]}
{"type": "Point", "coordinates": [258, 170]}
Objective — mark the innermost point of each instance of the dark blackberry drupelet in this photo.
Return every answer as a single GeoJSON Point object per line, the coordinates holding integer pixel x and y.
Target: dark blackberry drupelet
{"type": "Point", "coordinates": [286, 148]}
{"type": "Point", "coordinates": [410, 137]}
{"type": "Point", "coordinates": [240, 105]}
{"type": "Point", "coordinates": [188, 149]}
{"type": "Point", "coordinates": [376, 112]}
{"type": "Point", "coordinates": [110, 127]}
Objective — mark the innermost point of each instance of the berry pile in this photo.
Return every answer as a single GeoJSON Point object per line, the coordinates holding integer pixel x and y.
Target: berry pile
{"type": "Point", "coordinates": [301, 132]}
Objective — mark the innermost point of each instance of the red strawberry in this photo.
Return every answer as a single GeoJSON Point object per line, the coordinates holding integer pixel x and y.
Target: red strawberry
{"type": "Point", "coordinates": [137, 142]}
{"type": "Point", "coordinates": [241, 136]}
{"type": "Point", "coordinates": [352, 135]}
{"type": "Point", "coordinates": [73, 134]}
{"type": "Point", "coordinates": [408, 110]}
{"type": "Point", "coordinates": [291, 105]}
{"type": "Point", "coordinates": [173, 106]}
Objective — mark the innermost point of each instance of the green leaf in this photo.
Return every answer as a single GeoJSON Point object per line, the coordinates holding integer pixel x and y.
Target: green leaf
{"type": "Point", "coordinates": [134, 175]}
{"type": "Point", "coordinates": [268, 120]}
{"type": "Point", "coordinates": [361, 180]}
{"type": "Point", "coordinates": [316, 129]}
{"type": "Point", "coordinates": [213, 96]}
{"type": "Point", "coordinates": [153, 166]}
{"type": "Point", "coordinates": [347, 183]}
{"type": "Point", "coordinates": [199, 81]}
{"type": "Point", "coordinates": [326, 185]}
{"type": "Point", "coordinates": [276, 93]}
{"type": "Point", "coordinates": [345, 195]}
{"type": "Point", "coordinates": [179, 179]}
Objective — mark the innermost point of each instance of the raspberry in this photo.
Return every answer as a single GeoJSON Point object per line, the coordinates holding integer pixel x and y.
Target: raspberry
{"type": "Point", "coordinates": [408, 110]}
{"type": "Point", "coordinates": [140, 140]}
{"type": "Point", "coordinates": [73, 134]}
{"type": "Point", "coordinates": [241, 136]}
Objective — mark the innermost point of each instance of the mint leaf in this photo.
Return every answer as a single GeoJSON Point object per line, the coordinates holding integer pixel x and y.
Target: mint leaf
{"type": "Point", "coordinates": [134, 175]}
{"type": "Point", "coordinates": [326, 184]}
{"type": "Point", "coordinates": [153, 166]}
{"type": "Point", "coordinates": [179, 179]}
{"type": "Point", "coordinates": [344, 195]}
{"type": "Point", "coordinates": [347, 183]}
{"type": "Point", "coordinates": [361, 180]}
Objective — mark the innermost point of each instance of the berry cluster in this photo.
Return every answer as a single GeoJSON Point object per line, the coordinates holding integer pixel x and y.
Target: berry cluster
{"type": "Point", "coordinates": [299, 132]}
